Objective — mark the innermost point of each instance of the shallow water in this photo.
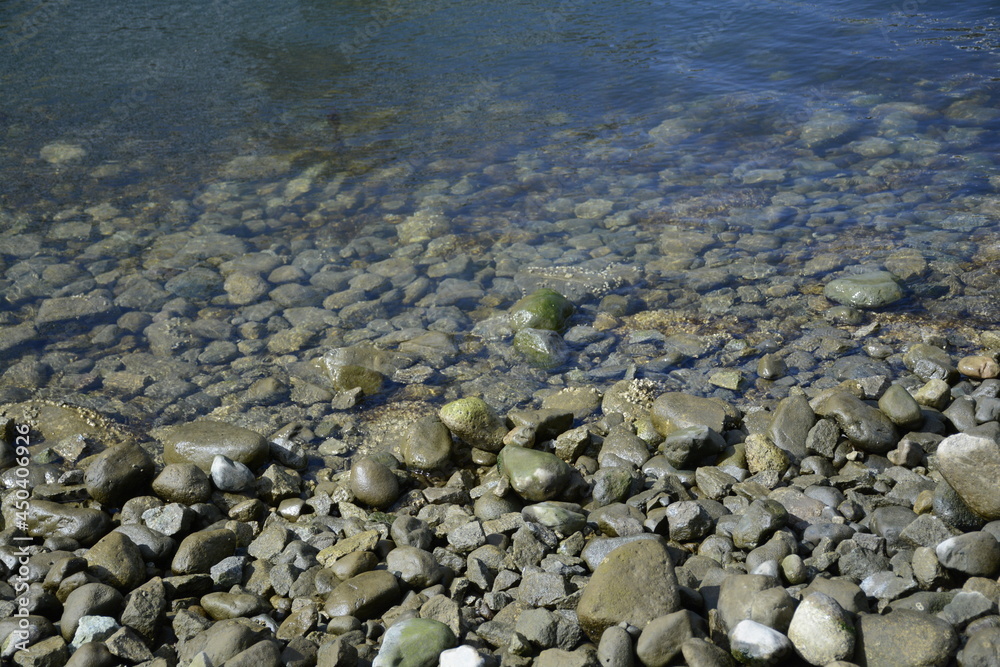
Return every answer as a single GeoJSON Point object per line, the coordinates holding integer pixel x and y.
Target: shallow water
{"type": "Point", "coordinates": [727, 158]}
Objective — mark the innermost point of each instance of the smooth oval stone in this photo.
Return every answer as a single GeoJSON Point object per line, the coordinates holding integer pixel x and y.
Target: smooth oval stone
{"type": "Point", "coordinates": [199, 551]}
{"type": "Point", "coordinates": [474, 423]}
{"type": "Point", "coordinates": [182, 483]}
{"type": "Point", "coordinates": [117, 561]}
{"type": "Point", "coordinates": [118, 473]}
{"type": "Point", "coordinates": [374, 483]}
{"type": "Point", "coordinates": [542, 309]}
{"type": "Point", "coordinates": [414, 642]}
{"type": "Point", "coordinates": [533, 475]}
{"type": "Point", "coordinates": [979, 367]}
{"type": "Point", "coordinates": [661, 639]}
{"type": "Point", "coordinates": [199, 442]}
{"type": "Point", "coordinates": [866, 427]}
{"type": "Point", "coordinates": [89, 600]}
{"type": "Point", "coordinates": [904, 638]}
{"type": "Point", "coordinates": [868, 290]}
{"type": "Point", "coordinates": [46, 519]}
{"type": "Point", "coordinates": [790, 426]}
{"type": "Point", "coordinates": [899, 406]}
{"type": "Point", "coordinates": [229, 475]}
{"type": "Point", "coordinates": [427, 444]}
{"type": "Point", "coordinates": [635, 583]}
{"type": "Point", "coordinates": [231, 605]}
{"type": "Point", "coordinates": [364, 596]}
{"type": "Point", "coordinates": [416, 567]}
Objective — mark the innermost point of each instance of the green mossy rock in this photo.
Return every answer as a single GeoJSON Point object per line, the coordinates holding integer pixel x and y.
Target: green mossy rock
{"type": "Point", "coordinates": [474, 423]}
{"type": "Point", "coordinates": [415, 642]}
{"type": "Point", "coordinates": [542, 309]}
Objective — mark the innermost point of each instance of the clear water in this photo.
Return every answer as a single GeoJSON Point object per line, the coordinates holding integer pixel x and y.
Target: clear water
{"type": "Point", "coordinates": [506, 108]}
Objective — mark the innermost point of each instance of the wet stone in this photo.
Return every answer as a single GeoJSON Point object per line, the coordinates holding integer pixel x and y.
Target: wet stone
{"type": "Point", "coordinates": [866, 427]}
{"type": "Point", "coordinates": [929, 362]}
{"type": "Point", "coordinates": [533, 474]}
{"type": "Point", "coordinates": [869, 290]}
{"type": "Point", "coordinates": [200, 442]}
{"type": "Point", "coordinates": [182, 483]}
{"type": "Point", "coordinates": [374, 483]}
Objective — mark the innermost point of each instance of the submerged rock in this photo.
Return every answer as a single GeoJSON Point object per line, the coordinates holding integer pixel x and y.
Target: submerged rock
{"type": "Point", "coordinates": [868, 290]}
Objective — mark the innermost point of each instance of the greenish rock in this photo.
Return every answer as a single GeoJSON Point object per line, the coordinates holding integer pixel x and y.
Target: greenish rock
{"type": "Point", "coordinates": [414, 642]}
{"type": "Point", "coordinates": [727, 379]}
{"type": "Point", "coordinates": [611, 485]}
{"type": "Point", "coordinates": [474, 423]}
{"type": "Point", "coordinates": [904, 638]}
{"type": "Point", "coordinates": [427, 444]}
{"type": "Point", "coordinates": [844, 316]}
{"type": "Point", "coordinates": [199, 442]}
{"type": "Point", "coordinates": [900, 407]}
{"type": "Point", "coordinates": [790, 426]}
{"type": "Point", "coordinates": [183, 483]}
{"type": "Point", "coordinates": [200, 550]}
{"type": "Point", "coordinates": [117, 561]}
{"type": "Point", "coordinates": [364, 596]}
{"type": "Point", "coordinates": [221, 605]}
{"type": "Point", "coordinates": [374, 483]}
{"type": "Point", "coordinates": [348, 376]}
{"type": "Point", "coordinates": [866, 427]}
{"type": "Point", "coordinates": [762, 454]}
{"type": "Point", "coordinates": [542, 309]}
{"type": "Point", "coordinates": [868, 290]}
{"type": "Point", "coordinates": [771, 367]}
{"type": "Point", "coordinates": [635, 583]}
{"type": "Point", "coordinates": [565, 518]}
{"type": "Point", "coordinates": [118, 473]}
{"type": "Point", "coordinates": [533, 475]}
{"type": "Point", "coordinates": [541, 347]}
{"type": "Point", "coordinates": [675, 410]}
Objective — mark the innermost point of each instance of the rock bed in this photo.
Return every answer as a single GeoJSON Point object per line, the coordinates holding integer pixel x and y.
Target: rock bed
{"type": "Point", "coordinates": [856, 525]}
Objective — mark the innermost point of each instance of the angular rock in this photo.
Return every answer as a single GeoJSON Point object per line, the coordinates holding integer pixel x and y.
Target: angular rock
{"type": "Point", "coordinates": [904, 638]}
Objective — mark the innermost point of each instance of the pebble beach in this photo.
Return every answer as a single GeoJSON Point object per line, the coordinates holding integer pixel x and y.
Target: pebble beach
{"type": "Point", "coordinates": [708, 379]}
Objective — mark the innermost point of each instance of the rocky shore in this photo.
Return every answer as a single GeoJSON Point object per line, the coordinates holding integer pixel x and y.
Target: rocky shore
{"type": "Point", "coordinates": [624, 524]}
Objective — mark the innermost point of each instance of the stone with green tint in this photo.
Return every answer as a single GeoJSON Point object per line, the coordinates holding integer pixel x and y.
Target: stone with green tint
{"type": "Point", "coordinates": [534, 475]}
{"type": "Point", "coordinates": [415, 642]}
{"type": "Point", "coordinates": [541, 347]}
{"type": "Point", "coordinates": [900, 407]}
{"type": "Point", "coordinates": [542, 309]}
{"type": "Point", "coordinates": [867, 290]}
{"type": "Point", "coordinates": [565, 518]}
{"type": "Point", "coordinates": [347, 377]}
{"type": "Point", "coordinates": [727, 379]}
{"type": "Point", "coordinates": [474, 423]}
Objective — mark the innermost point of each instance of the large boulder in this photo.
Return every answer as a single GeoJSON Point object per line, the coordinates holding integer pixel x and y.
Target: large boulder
{"type": "Point", "coordinates": [971, 465]}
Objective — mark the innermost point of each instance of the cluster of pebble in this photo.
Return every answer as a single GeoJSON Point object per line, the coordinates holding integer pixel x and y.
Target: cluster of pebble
{"type": "Point", "coordinates": [855, 524]}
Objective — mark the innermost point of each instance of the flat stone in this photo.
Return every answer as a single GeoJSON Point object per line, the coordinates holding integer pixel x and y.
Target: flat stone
{"type": "Point", "coordinates": [200, 442]}
{"type": "Point", "coordinates": [868, 290]}
{"type": "Point", "coordinates": [674, 410]}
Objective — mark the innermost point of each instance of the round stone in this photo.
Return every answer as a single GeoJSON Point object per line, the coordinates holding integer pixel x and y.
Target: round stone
{"type": "Point", "coordinates": [971, 465]}
{"type": "Point", "coordinates": [199, 551]}
{"type": "Point", "coordinates": [414, 642]}
{"type": "Point", "coordinates": [534, 475]}
{"type": "Point", "coordinates": [200, 442]}
{"type": "Point", "coordinates": [868, 290]}
{"type": "Point", "coordinates": [118, 473]}
{"type": "Point", "coordinates": [374, 483]}
{"type": "Point", "coordinates": [182, 483]}
{"type": "Point", "coordinates": [89, 600]}
{"type": "Point", "coordinates": [542, 309]}
{"type": "Point", "coordinates": [755, 643]}
{"type": "Point", "coordinates": [979, 367]}
{"type": "Point", "coordinates": [474, 423]}
{"type": "Point", "coordinates": [221, 606]}
{"type": "Point", "coordinates": [117, 561]}
{"type": "Point", "coordinates": [366, 595]}
{"type": "Point", "coordinates": [427, 444]}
